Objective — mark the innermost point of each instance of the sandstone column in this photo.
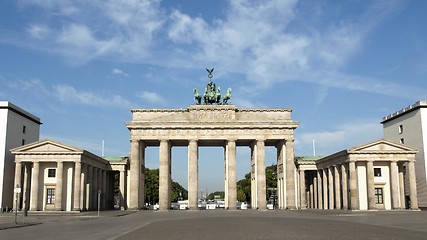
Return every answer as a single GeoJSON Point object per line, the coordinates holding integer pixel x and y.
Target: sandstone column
{"type": "Point", "coordinates": [412, 185]}
{"type": "Point", "coordinates": [371, 184]}
{"type": "Point", "coordinates": [344, 187]}
{"type": "Point", "coordinates": [325, 188]}
{"type": "Point", "coordinates": [94, 188]}
{"type": "Point", "coordinates": [83, 182]}
{"type": "Point", "coordinates": [26, 185]}
{"type": "Point", "coordinates": [319, 190]}
{"type": "Point", "coordinates": [261, 185]}
{"type": "Point", "coordinates": [35, 187]}
{"type": "Point", "coordinates": [193, 174]}
{"type": "Point", "coordinates": [337, 187]}
{"type": "Point", "coordinates": [104, 189]}
{"type": "Point", "coordinates": [77, 185]}
{"type": "Point", "coordinates": [58, 188]}
{"type": "Point", "coordinates": [402, 187]}
{"type": "Point", "coordinates": [122, 189]}
{"type": "Point", "coordinates": [354, 194]}
{"type": "Point", "coordinates": [18, 173]}
{"type": "Point", "coordinates": [315, 195]}
{"type": "Point", "coordinates": [303, 191]}
{"type": "Point", "coordinates": [89, 186]}
{"type": "Point", "coordinates": [254, 193]}
{"type": "Point", "coordinates": [331, 187]}
{"type": "Point", "coordinates": [394, 182]}
{"type": "Point", "coordinates": [164, 175]}
{"type": "Point", "coordinates": [231, 178]}
{"type": "Point", "coordinates": [311, 194]}
{"type": "Point", "coordinates": [141, 190]}
{"type": "Point", "coordinates": [290, 174]}
{"type": "Point", "coordinates": [280, 174]}
{"type": "Point", "coordinates": [135, 171]}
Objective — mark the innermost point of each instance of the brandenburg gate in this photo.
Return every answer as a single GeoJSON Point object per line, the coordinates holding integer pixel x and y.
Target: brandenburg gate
{"type": "Point", "coordinates": [211, 124]}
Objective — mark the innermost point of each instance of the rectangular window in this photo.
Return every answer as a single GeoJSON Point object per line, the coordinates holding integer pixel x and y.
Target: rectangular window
{"type": "Point", "coordinates": [23, 142]}
{"type": "Point", "coordinates": [24, 128]}
{"type": "Point", "coordinates": [400, 129]}
{"type": "Point", "coordinates": [50, 196]}
{"type": "Point", "coordinates": [51, 172]}
{"type": "Point", "coordinates": [379, 196]}
{"type": "Point", "coordinates": [377, 172]}
{"type": "Point", "coordinates": [402, 141]}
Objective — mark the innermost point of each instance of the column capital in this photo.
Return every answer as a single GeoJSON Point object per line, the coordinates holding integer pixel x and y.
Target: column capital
{"type": "Point", "coordinates": [290, 140]}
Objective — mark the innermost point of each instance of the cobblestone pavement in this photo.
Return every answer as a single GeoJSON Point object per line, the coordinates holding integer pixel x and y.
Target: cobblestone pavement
{"type": "Point", "coordinates": [218, 224]}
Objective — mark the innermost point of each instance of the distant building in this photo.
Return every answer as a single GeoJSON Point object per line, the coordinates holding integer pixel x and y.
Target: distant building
{"type": "Point", "coordinates": [17, 127]}
{"type": "Point", "coordinates": [409, 126]}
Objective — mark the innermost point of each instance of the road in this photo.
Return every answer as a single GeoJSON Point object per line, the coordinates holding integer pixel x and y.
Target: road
{"type": "Point", "coordinates": [219, 224]}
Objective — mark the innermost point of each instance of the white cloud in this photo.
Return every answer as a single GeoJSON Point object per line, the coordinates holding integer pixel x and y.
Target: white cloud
{"type": "Point", "coordinates": [342, 136]}
{"type": "Point", "coordinates": [151, 97]}
{"type": "Point", "coordinates": [69, 94]}
{"type": "Point", "coordinates": [38, 31]}
{"type": "Point", "coordinates": [255, 39]}
{"type": "Point", "coordinates": [119, 72]}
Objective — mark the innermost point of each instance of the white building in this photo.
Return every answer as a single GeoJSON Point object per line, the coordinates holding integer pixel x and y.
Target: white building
{"type": "Point", "coordinates": [366, 177]}
{"type": "Point", "coordinates": [409, 126]}
{"type": "Point", "coordinates": [17, 128]}
{"type": "Point", "coordinates": [59, 177]}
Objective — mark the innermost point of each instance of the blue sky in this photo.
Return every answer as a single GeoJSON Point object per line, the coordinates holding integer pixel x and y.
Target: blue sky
{"type": "Point", "coordinates": [340, 65]}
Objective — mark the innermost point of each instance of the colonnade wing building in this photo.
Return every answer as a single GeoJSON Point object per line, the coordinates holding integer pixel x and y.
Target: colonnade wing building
{"type": "Point", "coordinates": [377, 175]}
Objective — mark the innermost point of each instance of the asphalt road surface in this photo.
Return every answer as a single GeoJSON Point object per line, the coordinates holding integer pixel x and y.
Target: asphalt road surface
{"type": "Point", "coordinates": [219, 224]}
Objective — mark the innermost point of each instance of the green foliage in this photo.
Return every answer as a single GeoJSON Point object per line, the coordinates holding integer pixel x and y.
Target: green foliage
{"type": "Point", "coordinates": [244, 185]}
{"type": "Point", "coordinates": [152, 188]}
{"type": "Point", "coordinates": [221, 195]}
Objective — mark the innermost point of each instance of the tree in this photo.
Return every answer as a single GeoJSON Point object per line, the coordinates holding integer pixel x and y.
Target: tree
{"type": "Point", "coordinates": [152, 188]}
{"type": "Point", "coordinates": [244, 185]}
{"type": "Point", "coordinates": [221, 195]}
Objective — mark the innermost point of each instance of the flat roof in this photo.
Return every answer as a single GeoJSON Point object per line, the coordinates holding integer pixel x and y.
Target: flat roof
{"type": "Point", "coordinates": [410, 108]}
{"type": "Point", "coordinates": [20, 111]}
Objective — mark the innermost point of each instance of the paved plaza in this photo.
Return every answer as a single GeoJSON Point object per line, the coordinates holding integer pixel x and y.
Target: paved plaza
{"type": "Point", "coordinates": [218, 224]}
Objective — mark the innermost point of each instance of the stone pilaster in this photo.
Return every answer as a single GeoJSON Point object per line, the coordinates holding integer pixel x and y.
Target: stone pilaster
{"type": "Point", "coordinates": [402, 187]}
{"type": "Point", "coordinates": [370, 184]}
{"type": "Point", "coordinates": [315, 195]}
{"type": "Point", "coordinates": [26, 187]}
{"type": "Point", "coordinates": [325, 189]}
{"type": "Point", "coordinates": [412, 185]}
{"type": "Point", "coordinates": [164, 175]}
{"type": "Point", "coordinates": [290, 174]}
{"type": "Point", "coordinates": [94, 192]}
{"type": "Point", "coordinates": [331, 187]}
{"type": "Point", "coordinates": [337, 181]}
{"type": "Point", "coordinates": [77, 186]}
{"type": "Point", "coordinates": [59, 185]}
{"type": "Point", "coordinates": [18, 173]}
{"type": "Point", "coordinates": [83, 181]}
{"type": "Point", "coordinates": [35, 187]}
{"type": "Point", "coordinates": [344, 182]}
{"type": "Point", "coordinates": [89, 186]}
{"type": "Point", "coordinates": [394, 182]}
{"type": "Point", "coordinates": [354, 194]}
{"type": "Point", "coordinates": [261, 185]}
{"type": "Point", "coordinates": [303, 190]}
{"type": "Point", "coordinates": [104, 189]}
{"type": "Point", "coordinates": [122, 189]}
{"type": "Point", "coordinates": [193, 174]}
{"type": "Point", "coordinates": [319, 190]}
